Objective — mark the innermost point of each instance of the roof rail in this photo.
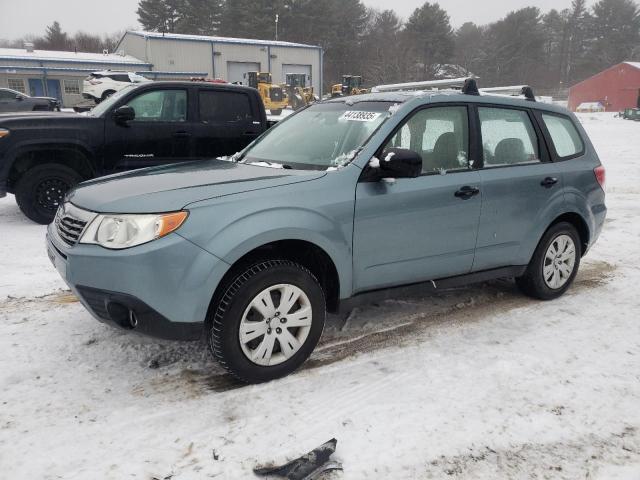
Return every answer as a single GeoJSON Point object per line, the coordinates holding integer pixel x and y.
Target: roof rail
{"type": "Point", "coordinates": [429, 84]}
{"type": "Point", "coordinates": [467, 86]}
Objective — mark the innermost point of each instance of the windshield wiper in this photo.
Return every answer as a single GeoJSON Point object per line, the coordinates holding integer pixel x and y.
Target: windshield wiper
{"type": "Point", "coordinates": [265, 163]}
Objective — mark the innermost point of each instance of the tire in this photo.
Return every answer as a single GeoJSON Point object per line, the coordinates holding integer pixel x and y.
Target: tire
{"type": "Point", "coordinates": [549, 275]}
{"type": "Point", "coordinates": [251, 360]}
{"type": "Point", "coordinates": [276, 111]}
{"type": "Point", "coordinates": [41, 189]}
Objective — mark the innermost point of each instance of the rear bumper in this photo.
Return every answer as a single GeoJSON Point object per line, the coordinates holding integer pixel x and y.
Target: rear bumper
{"type": "Point", "coordinates": [599, 213]}
{"type": "Point", "coordinates": [162, 289]}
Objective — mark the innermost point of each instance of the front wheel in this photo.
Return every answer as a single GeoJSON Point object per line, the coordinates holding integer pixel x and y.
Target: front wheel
{"type": "Point", "coordinates": [268, 321]}
{"type": "Point", "coordinates": [41, 190]}
{"type": "Point", "coordinates": [554, 265]}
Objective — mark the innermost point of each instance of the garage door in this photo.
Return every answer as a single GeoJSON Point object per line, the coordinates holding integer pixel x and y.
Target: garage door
{"type": "Point", "coordinates": [236, 71]}
{"type": "Point", "coordinates": [294, 68]}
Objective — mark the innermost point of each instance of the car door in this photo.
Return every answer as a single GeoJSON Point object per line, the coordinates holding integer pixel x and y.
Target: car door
{"type": "Point", "coordinates": [227, 122]}
{"type": "Point", "coordinates": [519, 183]}
{"type": "Point", "coordinates": [8, 101]}
{"type": "Point", "coordinates": [160, 133]}
{"type": "Point", "coordinates": [425, 228]}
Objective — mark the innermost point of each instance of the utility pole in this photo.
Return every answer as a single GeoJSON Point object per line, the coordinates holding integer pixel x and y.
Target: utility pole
{"type": "Point", "coordinates": [277, 18]}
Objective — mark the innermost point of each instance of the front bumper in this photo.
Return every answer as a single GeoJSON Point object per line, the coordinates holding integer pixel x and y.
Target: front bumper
{"type": "Point", "coordinates": [162, 289]}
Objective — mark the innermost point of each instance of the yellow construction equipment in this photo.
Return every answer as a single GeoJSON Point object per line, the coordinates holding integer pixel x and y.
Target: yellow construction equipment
{"type": "Point", "coordinates": [351, 85]}
{"type": "Point", "coordinates": [298, 94]}
{"type": "Point", "coordinates": [273, 96]}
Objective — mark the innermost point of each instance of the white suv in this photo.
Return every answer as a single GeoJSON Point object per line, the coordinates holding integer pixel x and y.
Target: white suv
{"type": "Point", "coordinates": [100, 85]}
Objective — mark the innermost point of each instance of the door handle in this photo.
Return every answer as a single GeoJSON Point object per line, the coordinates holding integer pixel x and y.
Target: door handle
{"type": "Point", "coordinates": [466, 192]}
{"type": "Point", "coordinates": [182, 134]}
{"type": "Point", "coordinates": [549, 182]}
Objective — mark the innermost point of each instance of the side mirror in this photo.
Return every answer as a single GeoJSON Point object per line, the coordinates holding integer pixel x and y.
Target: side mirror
{"type": "Point", "coordinates": [124, 114]}
{"type": "Point", "coordinates": [400, 163]}
{"type": "Point", "coordinates": [19, 97]}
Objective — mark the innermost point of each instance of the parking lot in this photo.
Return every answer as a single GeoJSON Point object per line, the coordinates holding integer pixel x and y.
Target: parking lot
{"type": "Point", "coordinates": [475, 382]}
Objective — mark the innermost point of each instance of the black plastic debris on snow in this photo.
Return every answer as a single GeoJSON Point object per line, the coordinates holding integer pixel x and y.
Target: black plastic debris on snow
{"type": "Point", "coordinates": [306, 467]}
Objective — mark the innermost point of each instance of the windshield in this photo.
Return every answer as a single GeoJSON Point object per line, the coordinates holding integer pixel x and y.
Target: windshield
{"type": "Point", "coordinates": [320, 137]}
{"type": "Point", "coordinates": [105, 105]}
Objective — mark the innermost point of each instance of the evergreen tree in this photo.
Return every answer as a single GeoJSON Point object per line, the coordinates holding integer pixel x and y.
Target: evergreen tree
{"type": "Point", "coordinates": [615, 30]}
{"type": "Point", "coordinates": [469, 42]}
{"type": "Point", "coordinates": [429, 39]}
{"type": "Point", "coordinates": [382, 49]}
{"type": "Point", "coordinates": [202, 17]}
{"type": "Point", "coordinates": [250, 18]}
{"type": "Point", "coordinates": [54, 38]}
{"type": "Point", "coordinates": [162, 15]}
{"type": "Point", "coordinates": [515, 49]}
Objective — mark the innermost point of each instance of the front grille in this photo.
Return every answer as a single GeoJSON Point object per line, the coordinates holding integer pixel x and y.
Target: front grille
{"type": "Point", "coordinates": [69, 227]}
{"type": "Point", "coordinates": [276, 94]}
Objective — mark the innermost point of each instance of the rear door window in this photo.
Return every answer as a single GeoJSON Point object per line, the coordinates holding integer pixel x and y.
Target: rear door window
{"type": "Point", "coordinates": [508, 137]}
{"type": "Point", "coordinates": [219, 106]}
{"type": "Point", "coordinates": [564, 135]}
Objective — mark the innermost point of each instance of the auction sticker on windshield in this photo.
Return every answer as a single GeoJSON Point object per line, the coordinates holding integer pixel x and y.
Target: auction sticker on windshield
{"type": "Point", "coordinates": [356, 116]}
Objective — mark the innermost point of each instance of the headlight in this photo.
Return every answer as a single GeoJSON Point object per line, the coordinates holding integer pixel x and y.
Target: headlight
{"type": "Point", "coordinates": [124, 231]}
{"type": "Point", "coordinates": [3, 132]}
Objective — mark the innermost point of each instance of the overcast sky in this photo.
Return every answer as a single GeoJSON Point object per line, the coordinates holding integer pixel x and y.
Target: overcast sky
{"type": "Point", "coordinates": [22, 17]}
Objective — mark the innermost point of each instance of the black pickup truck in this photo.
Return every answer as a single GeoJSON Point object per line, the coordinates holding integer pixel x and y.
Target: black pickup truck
{"type": "Point", "coordinates": [42, 155]}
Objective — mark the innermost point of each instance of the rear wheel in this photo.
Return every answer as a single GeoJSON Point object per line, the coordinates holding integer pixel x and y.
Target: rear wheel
{"type": "Point", "coordinates": [268, 321]}
{"type": "Point", "coordinates": [276, 111]}
{"type": "Point", "coordinates": [41, 190]}
{"type": "Point", "coordinates": [554, 265]}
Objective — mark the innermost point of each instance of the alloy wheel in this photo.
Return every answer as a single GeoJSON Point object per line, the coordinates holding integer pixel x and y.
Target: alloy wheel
{"type": "Point", "coordinates": [275, 324]}
{"type": "Point", "coordinates": [559, 262]}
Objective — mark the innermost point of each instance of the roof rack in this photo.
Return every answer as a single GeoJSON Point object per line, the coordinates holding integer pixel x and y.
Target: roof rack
{"type": "Point", "coordinates": [467, 86]}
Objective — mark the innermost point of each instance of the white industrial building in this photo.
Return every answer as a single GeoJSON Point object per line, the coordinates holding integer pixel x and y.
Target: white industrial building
{"type": "Point", "coordinates": [225, 58]}
{"type": "Point", "coordinates": [60, 74]}
{"type": "Point", "coordinates": [57, 74]}
{"type": "Point", "coordinates": [159, 57]}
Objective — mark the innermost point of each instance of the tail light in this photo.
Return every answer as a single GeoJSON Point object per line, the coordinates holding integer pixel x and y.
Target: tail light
{"type": "Point", "coordinates": [601, 176]}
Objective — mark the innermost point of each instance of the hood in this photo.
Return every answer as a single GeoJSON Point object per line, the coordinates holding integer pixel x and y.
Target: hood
{"type": "Point", "coordinates": [35, 116]}
{"type": "Point", "coordinates": [171, 187]}
{"type": "Point", "coordinates": [48, 99]}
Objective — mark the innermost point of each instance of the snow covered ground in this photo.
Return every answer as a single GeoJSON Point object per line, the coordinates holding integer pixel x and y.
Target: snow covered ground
{"type": "Point", "coordinates": [470, 383]}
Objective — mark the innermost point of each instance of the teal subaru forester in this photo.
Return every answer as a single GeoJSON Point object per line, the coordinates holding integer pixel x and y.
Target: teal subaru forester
{"type": "Point", "coordinates": [341, 201]}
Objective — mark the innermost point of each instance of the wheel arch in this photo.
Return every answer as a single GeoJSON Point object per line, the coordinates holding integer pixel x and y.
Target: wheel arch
{"type": "Point", "coordinates": [303, 252]}
{"type": "Point", "coordinates": [580, 225]}
{"type": "Point", "coordinates": [70, 155]}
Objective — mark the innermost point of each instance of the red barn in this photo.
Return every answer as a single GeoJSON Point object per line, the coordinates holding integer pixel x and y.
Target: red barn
{"type": "Point", "coordinates": [616, 88]}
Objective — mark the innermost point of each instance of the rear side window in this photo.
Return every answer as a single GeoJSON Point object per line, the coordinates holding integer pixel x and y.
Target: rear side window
{"type": "Point", "coordinates": [120, 77]}
{"type": "Point", "coordinates": [564, 135]}
{"type": "Point", "coordinates": [7, 95]}
{"type": "Point", "coordinates": [218, 106]}
{"type": "Point", "coordinates": [508, 137]}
